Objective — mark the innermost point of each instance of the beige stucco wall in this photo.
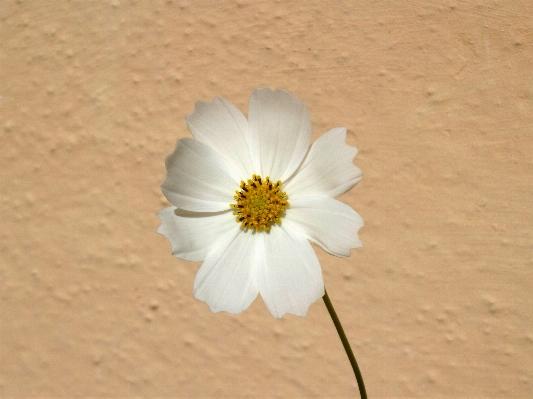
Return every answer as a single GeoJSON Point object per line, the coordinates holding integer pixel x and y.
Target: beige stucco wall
{"type": "Point", "coordinates": [438, 97]}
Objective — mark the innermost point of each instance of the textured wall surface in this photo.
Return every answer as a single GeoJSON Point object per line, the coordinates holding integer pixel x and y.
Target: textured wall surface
{"type": "Point", "coordinates": [437, 96]}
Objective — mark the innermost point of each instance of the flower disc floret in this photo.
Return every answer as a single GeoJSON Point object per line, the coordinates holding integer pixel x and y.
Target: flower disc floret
{"type": "Point", "coordinates": [259, 203]}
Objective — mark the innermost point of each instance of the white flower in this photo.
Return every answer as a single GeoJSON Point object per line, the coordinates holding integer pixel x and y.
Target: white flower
{"type": "Point", "coordinates": [248, 197]}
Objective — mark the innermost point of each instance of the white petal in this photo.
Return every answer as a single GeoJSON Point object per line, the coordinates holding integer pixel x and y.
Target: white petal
{"type": "Point", "coordinates": [221, 126]}
{"type": "Point", "coordinates": [280, 132]}
{"type": "Point", "coordinates": [289, 276]}
{"type": "Point", "coordinates": [192, 234]}
{"type": "Point", "coordinates": [329, 223]}
{"type": "Point", "coordinates": [198, 178]}
{"type": "Point", "coordinates": [327, 169]}
{"type": "Point", "coordinates": [227, 279]}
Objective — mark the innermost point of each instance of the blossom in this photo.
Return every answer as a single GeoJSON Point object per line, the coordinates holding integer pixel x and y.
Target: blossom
{"type": "Point", "coordinates": [249, 195]}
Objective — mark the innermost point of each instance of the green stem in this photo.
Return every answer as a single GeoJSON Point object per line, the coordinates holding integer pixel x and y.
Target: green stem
{"type": "Point", "coordinates": [346, 345]}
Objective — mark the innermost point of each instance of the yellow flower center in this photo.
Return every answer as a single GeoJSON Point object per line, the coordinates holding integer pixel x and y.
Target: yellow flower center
{"type": "Point", "coordinates": [260, 203]}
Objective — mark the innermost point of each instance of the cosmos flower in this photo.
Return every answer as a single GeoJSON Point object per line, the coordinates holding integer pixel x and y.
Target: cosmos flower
{"type": "Point", "coordinates": [250, 195]}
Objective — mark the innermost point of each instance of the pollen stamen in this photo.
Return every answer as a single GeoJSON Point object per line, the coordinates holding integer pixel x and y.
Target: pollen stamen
{"type": "Point", "coordinates": [259, 203]}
